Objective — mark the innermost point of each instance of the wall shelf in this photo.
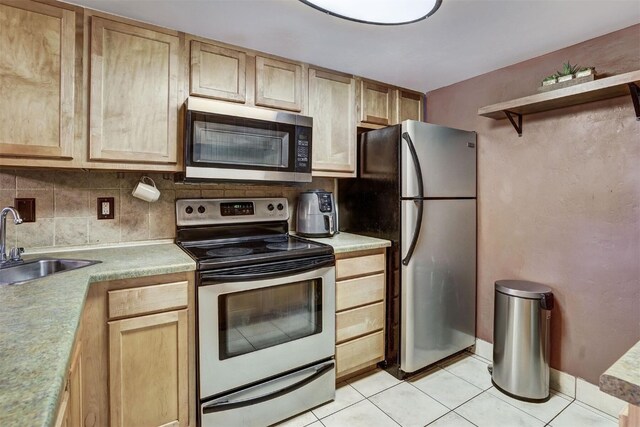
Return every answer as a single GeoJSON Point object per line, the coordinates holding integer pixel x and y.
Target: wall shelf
{"type": "Point", "coordinates": [609, 87]}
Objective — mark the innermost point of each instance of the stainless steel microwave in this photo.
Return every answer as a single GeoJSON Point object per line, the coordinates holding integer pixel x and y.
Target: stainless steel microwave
{"type": "Point", "coordinates": [229, 142]}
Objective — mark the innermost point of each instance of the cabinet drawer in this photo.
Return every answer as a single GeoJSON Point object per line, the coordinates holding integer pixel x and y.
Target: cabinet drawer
{"type": "Point", "coordinates": [358, 266]}
{"type": "Point", "coordinates": [354, 355]}
{"type": "Point", "coordinates": [363, 290]}
{"type": "Point", "coordinates": [359, 321]}
{"type": "Point", "coordinates": [148, 299]}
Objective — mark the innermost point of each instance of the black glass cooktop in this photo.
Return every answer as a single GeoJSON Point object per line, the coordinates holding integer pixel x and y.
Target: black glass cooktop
{"type": "Point", "coordinates": [231, 252]}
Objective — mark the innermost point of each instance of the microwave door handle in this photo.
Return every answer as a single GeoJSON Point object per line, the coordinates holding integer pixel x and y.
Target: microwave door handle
{"type": "Point", "coordinates": [224, 405]}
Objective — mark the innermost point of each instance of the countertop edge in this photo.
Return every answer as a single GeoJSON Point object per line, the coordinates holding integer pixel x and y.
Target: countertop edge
{"type": "Point", "coordinates": [622, 378]}
{"type": "Point", "coordinates": [622, 389]}
{"type": "Point", "coordinates": [344, 242]}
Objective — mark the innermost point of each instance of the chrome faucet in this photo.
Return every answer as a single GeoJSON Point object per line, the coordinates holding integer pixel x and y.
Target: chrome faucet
{"type": "Point", "coordinates": [14, 255]}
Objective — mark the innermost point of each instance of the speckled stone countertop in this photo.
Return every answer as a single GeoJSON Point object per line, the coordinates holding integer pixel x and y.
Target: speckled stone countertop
{"type": "Point", "coordinates": [346, 242]}
{"type": "Point", "coordinates": [39, 320]}
{"type": "Point", "coordinates": [622, 379]}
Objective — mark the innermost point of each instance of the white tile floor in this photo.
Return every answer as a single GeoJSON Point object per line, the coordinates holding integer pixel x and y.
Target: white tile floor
{"type": "Point", "coordinates": [456, 393]}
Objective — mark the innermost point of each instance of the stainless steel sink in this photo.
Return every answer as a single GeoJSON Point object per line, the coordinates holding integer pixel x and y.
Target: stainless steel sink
{"type": "Point", "coordinates": [35, 269]}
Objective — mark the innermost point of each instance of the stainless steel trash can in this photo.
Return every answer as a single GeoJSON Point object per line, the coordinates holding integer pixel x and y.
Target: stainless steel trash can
{"type": "Point", "coordinates": [521, 339]}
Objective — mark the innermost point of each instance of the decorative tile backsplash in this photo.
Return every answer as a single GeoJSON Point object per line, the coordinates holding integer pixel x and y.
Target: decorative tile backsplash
{"type": "Point", "coordinates": [66, 205]}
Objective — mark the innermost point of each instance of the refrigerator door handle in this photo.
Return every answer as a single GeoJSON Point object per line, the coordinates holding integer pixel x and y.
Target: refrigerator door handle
{"type": "Point", "coordinates": [418, 199]}
{"type": "Point", "coordinates": [416, 163]}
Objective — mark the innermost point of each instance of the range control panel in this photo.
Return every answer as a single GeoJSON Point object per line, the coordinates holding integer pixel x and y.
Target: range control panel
{"type": "Point", "coordinates": [230, 211]}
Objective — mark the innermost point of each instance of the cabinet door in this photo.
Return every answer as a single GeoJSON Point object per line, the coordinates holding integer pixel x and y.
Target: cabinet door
{"type": "Point", "coordinates": [332, 106]}
{"type": "Point", "coordinates": [376, 103]}
{"type": "Point", "coordinates": [75, 409]}
{"type": "Point", "coordinates": [278, 84]}
{"type": "Point", "coordinates": [134, 94]}
{"type": "Point", "coordinates": [409, 106]}
{"type": "Point", "coordinates": [62, 419]}
{"type": "Point", "coordinates": [148, 378]}
{"type": "Point", "coordinates": [218, 72]}
{"type": "Point", "coordinates": [37, 59]}
{"type": "Point", "coordinates": [359, 353]}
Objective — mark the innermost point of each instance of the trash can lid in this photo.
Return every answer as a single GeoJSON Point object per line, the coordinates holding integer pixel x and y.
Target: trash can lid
{"type": "Point", "coordinates": [522, 288]}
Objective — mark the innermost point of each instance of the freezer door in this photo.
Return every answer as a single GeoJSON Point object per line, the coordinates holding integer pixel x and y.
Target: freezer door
{"type": "Point", "coordinates": [438, 291]}
{"type": "Point", "coordinates": [447, 159]}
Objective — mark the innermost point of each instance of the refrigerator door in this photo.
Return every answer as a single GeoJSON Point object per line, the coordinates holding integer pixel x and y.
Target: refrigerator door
{"type": "Point", "coordinates": [447, 158]}
{"type": "Point", "coordinates": [438, 293]}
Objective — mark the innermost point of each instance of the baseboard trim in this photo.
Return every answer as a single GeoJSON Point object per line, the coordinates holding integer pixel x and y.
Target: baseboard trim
{"type": "Point", "coordinates": [567, 384]}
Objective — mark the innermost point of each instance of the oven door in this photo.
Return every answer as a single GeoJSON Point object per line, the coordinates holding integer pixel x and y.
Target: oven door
{"type": "Point", "coordinates": [264, 322]}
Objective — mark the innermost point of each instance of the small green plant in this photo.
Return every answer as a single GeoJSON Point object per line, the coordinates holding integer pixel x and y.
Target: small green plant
{"type": "Point", "coordinates": [568, 69]}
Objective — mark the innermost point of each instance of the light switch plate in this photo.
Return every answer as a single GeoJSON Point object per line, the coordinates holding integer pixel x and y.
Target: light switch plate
{"type": "Point", "coordinates": [26, 208]}
{"type": "Point", "coordinates": [105, 207]}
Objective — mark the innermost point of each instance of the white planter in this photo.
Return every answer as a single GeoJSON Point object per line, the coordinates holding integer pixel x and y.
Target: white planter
{"type": "Point", "coordinates": [565, 78]}
{"type": "Point", "coordinates": [585, 73]}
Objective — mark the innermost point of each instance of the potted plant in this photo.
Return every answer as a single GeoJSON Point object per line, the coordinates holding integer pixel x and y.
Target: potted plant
{"type": "Point", "coordinates": [567, 72]}
{"type": "Point", "coordinates": [568, 75]}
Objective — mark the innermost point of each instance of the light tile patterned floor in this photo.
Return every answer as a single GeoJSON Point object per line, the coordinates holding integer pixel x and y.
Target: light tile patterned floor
{"type": "Point", "coordinates": [456, 393]}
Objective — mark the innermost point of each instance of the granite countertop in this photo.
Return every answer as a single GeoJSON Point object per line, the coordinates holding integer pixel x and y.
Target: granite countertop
{"type": "Point", "coordinates": [622, 379]}
{"type": "Point", "coordinates": [39, 320]}
{"type": "Point", "coordinates": [347, 242]}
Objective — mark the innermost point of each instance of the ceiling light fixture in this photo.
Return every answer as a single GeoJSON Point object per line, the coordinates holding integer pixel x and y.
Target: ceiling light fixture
{"type": "Point", "coordinates": [379, 12]}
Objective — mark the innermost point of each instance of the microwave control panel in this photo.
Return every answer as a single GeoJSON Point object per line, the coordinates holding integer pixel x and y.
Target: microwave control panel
{"type": "Point", "coordinates": [303, 155]}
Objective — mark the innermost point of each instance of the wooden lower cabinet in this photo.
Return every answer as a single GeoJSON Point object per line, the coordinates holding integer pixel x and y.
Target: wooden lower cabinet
{"type": "Point", "coordinates": [139, 354]}
{"type": "Point", "coordinates": [148, 374]}
{"type": "Point", "coordinates": [70, 412]}
{"type": "Point", "coordinates": [360, 310]}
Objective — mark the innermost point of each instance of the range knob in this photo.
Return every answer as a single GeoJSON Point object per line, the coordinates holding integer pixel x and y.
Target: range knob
{"type": "Point", "coordinates": [201, 209]}
{"type": "Point", "coordinates": [270, 206]}
{"type": "Point", "coordinates": [280, 206]}
{"type": "Point", "coordinates": [189, 210]}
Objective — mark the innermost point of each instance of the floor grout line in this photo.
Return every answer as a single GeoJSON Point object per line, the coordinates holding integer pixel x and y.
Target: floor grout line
{"type": "Point", "coordinates": [569, 399]}
{"type": "Point", "coordinates": [464, 418]}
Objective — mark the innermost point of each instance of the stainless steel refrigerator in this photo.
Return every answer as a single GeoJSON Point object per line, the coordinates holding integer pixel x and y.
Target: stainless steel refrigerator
{"type": "Point", "coordinates": [416, 186]}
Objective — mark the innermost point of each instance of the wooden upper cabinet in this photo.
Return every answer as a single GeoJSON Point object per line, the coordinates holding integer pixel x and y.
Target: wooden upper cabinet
{"type": "Point", "coordinates": [37, 60]}
{"type": "Point", "coordinates": [133, 94]}
{"type": "Point", "coordinates": [218, 72]}
{"type": "Point", "coordinates": [148, 372]}
{"type": "Point", "coordinates": [278, 84]}
{"type": "Point", "coordinates": [332, 106]}
{"type": "Point", "coordinates": [376, 103]}
{"type": "Point", "coordinates": [410, 106]}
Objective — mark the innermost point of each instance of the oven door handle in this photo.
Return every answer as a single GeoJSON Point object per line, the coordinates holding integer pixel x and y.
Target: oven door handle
{"type": "Point", "coordinates": [225, 404]}
{"type": "Point", "coordinates": [270, 271]}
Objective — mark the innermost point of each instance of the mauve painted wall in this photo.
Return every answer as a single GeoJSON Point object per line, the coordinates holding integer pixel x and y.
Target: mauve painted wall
{"type": "Point", "coordinates": [561, 204]}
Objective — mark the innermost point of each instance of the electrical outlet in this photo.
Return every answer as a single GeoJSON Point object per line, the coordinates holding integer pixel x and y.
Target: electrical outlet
{"type": "Point", "coordinates": [26, 208]}
{"type": "Point", "coordinates": [105, 208]}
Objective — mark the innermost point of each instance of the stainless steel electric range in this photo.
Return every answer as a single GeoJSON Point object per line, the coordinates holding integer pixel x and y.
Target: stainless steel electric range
{"type": "Point", "coordinates": [266, 312]}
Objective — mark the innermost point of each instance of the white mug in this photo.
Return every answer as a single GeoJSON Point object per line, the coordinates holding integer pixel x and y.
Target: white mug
{"type": "Point", "coordinates": [146, 192]}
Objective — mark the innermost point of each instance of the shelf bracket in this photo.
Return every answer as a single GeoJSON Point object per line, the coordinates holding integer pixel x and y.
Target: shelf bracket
{"type": "Point", "coordinates": [518, 126]}
{"type": "Point", "coordinates": [635, 98]}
